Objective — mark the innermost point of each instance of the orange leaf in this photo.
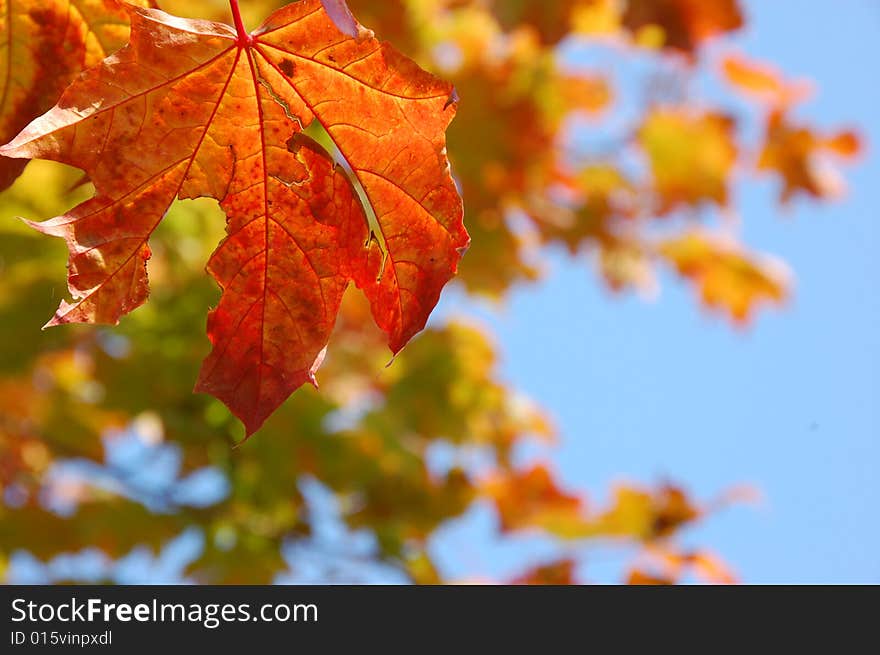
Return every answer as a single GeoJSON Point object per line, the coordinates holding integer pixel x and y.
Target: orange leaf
{"type": "Point", "coordinates": [532, 499]}
{"type": "Point", "coordinates": [762, 81]}
{"type": "Point", "coordinates": [846, 144]}
{"type": "Point", "coordinates": [727, 278]}
{"type": "Point", "coordinates": [43, 45]}
{"type": "Point", "coordinates": [797, 154]}
{"type": "Point", "coordinates": [194, 108]}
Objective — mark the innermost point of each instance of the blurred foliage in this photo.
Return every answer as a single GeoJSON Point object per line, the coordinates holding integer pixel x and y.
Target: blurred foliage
{"type": "Point", "coordinates": [533, 172]}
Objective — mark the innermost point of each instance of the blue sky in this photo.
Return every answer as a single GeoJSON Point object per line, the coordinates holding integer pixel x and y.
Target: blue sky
{"type": "Point", "coordinates": [648, 390]}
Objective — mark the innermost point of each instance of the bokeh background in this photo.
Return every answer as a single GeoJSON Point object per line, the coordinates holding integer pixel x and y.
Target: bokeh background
{"type": "Point", "coordinates": [623, 384]}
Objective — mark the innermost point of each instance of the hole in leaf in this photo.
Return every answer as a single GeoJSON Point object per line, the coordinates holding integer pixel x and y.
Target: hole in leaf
{"type": "Point", "coordinates": [317, 132]}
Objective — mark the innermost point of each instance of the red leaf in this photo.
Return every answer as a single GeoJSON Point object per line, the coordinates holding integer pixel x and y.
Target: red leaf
{"type": "Point", "coordinates": [191, 108]}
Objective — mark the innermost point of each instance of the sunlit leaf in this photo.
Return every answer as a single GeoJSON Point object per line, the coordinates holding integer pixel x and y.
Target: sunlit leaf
{"type": "Point", "coordinates": [297, 230]}
{"type": "Point", "coordinates": [726, 277]}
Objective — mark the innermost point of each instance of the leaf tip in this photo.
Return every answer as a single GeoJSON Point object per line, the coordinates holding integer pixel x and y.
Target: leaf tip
{"type": "Point", "coordinates": [247, 435]}
{"type": "Point", "coordinates": [394, 354]}
{"type": "Point", "coordinates": [452, 99]}
{"type": "Point", "coordinates": [60, 316]}
{"type": "Point", "coordinates": [35, 225]}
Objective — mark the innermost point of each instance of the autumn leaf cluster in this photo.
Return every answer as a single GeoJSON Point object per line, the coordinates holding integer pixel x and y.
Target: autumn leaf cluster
{"type": "Point", "coordinates": [326, 149]}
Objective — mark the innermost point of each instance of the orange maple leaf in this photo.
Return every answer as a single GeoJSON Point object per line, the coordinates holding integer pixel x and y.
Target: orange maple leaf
{"type": "Point", "coordinates": [727, 277]}
{"type": "Point", "coordinates": [798, 153]}
{"type": "Point", "coordinates": [531, 498]}
{"type": "Point", "coordinates": [194, 108]}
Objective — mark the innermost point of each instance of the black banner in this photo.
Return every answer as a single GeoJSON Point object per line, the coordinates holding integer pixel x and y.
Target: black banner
{"type": "Point", "coordinates": [291, 618]}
